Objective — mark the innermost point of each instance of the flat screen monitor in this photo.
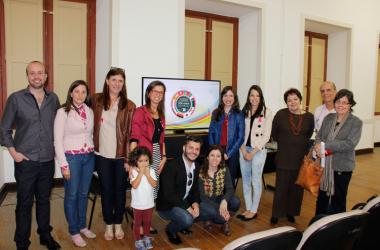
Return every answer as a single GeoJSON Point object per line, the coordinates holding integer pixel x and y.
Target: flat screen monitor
{"type": "Point", "coordinates": [188, 103]}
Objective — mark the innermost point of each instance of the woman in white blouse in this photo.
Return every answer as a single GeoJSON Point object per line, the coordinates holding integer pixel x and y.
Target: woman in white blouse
{"type": "Point", "coordinates": [258, 125]}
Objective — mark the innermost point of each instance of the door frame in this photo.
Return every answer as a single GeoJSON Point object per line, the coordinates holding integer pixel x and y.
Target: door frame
{"type": "Point", "coordinates": [312, 35]}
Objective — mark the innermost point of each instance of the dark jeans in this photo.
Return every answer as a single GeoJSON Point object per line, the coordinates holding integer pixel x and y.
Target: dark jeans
{"type": "Point", "coordinates": [234, 168]}
{"type": "Point", "coordinates": [113, 180]}
{"type": "Point", "coordinates": [33, 179]}
{"type": "Point", "coordinates": [338, 200]}
{"type": "Point", "coordinates": [180, 219]}
{"type": "Point", "coordinates": [209, 209]}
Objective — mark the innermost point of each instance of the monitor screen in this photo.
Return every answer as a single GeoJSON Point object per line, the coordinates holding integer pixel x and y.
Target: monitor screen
{"type": "Point", "coordinates": [188, 103]}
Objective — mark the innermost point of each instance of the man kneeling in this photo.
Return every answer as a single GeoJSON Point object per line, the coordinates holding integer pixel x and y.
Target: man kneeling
{"type": "Point", "coordinates": [178, 198]}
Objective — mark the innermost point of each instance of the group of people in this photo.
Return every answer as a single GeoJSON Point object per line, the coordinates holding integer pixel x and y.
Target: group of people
{"type": "Point", "coordinates": [121, 142]}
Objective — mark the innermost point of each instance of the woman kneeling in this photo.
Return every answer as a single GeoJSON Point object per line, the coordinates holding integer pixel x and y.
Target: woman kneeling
{"type": "Point", "coordinates": [216, 191]}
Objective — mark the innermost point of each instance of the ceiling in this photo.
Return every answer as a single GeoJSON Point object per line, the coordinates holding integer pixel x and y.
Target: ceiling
{"type": "Point", "coordinates": [218, 7]}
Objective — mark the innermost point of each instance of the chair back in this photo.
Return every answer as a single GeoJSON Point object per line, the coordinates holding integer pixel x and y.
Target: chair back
{"type": "Point", "coordinates": [371, 231]}
{"type": "Point", "coordinates": [281, 238]}
{"type": "Point", "coordinates": [334, 232]}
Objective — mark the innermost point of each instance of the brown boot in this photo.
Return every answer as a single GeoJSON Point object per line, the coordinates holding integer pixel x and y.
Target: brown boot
{"type": "Point", "coordinates": [226, 229]}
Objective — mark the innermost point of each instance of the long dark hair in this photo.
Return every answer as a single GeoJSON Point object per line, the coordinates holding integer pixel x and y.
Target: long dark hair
{"type": "Point", "coordinates": [161, 105]}
{"type": "Point", "coordinates": [235, 106]}
{"type": "Point", "coordinates": [136, 153]}
{"type": "Point", "coordinates": [69, 100]}
{"type": "Point", "coordinates": [248, 107]}
{"type": "Point", "coordinates": [106, 93]}
{"type": "Point", "coordinates": [205, 165]}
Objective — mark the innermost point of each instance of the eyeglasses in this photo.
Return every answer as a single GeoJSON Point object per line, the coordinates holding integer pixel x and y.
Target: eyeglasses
{"type": "Point", "coordinates": [190, 176]}
{"type": "Point", "coordinates": [342, 103]}
{"type": "Point", "coordinates": [158, 92]}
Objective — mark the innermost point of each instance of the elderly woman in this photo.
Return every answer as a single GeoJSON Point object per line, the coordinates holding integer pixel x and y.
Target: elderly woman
{"type": "Point", "coordinates": [292, 129]}
{"type": "Point", "coordinates": [216, 191]}
{"type": "Point", "coordinates": [341, 133]}
{"type": "Point", "coordinates": [227, 130]}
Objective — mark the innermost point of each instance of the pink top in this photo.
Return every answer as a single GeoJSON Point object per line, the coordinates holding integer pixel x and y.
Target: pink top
{"type": "Point", "coordinates": [73, 133]}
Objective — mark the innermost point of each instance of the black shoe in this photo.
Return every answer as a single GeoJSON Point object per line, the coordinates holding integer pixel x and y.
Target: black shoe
{"type": "Point", "coordinates": [186, 231]}
{"type": "Point", "coordinates": [273, 220]}
{"type": "Point", "coordinates": [173, 238]}
{"type": "Point", "coordinates": [153, 231]}
{"type": "Point", "coordinates": [248, 219]}
{"type": "Point", "coordinates": [50, 243]}
{"type": "Point", "coordinates": [291, 218]}
{"type": "Point", "coordinates": [240, 216]}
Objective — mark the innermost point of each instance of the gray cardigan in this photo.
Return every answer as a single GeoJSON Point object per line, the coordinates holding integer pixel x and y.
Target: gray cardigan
{"type": "Point", "coordinates": [343, 146]}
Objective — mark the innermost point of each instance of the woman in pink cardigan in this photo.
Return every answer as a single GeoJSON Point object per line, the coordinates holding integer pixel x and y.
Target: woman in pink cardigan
{"type": "Point", "coordinates": [74, 150]}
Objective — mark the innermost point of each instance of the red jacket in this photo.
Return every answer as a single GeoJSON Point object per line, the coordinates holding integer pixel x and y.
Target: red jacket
{"type": "Point", "coordinates": [143, 128]}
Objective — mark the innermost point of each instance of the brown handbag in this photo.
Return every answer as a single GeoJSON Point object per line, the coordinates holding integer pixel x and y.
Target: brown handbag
{"type": "Point", "coordinates": [310, 174]}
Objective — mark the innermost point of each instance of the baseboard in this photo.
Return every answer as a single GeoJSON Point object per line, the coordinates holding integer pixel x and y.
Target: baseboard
{"type": "Point", "coordinates": [11, 187]}
{"type": "Point", "coordinates": [364, 151]}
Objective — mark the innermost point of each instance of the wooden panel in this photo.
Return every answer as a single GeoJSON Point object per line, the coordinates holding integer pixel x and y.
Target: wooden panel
{"type": "Point", "coordinates": [222, 52]}
{"type": "Point", "coordinates": [377, 105]}
{"type": "Point", "coordinates": [23, 40]}
{"type": "Point", "coordinates": [305, 68]}
{"type": "Point", "coordinates": [317, 72]}
{"type": "Point", "coordinates": [69, 43]}
{"type": "Point", "coordinates": [195, 48]}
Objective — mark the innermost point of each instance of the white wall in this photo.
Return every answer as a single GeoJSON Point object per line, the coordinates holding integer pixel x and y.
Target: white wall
{"type": "Point", "coordinates": [149, 41]}
{"type": "Point", "coordinates": [338, 59]}
{"type": "Point", "coordinates": [249, 56]}
{"type": "Point", "coordinates": [103, 41]}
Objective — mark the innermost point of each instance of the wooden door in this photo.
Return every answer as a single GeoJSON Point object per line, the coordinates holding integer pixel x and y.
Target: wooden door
{"type": "Point", "coordinates": [23, 40]}
{"type": "Point", "coordinates": [222, 52]}
{"type": "Point", "coordinates": [195, 48]}
{"type": "Point", "coordinates": [211, 47]}
{"type": "Point", "coordinates": [69, 43]}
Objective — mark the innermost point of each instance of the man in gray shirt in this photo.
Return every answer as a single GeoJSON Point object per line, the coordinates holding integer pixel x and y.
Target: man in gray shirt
{"type": "Point", "coordinates": [31, 113]}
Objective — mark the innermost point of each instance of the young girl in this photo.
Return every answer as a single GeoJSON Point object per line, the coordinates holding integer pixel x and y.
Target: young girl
{"type": "Point", "coordinates": [143, 181]}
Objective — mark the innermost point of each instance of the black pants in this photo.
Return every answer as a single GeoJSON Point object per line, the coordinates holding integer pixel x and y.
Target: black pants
{"type": "Point", "coordinates": [338, 200]}
{"type": "Point", "coordinates": [113, 180]}
{"type": "Point", "coordinates": [33, 179]}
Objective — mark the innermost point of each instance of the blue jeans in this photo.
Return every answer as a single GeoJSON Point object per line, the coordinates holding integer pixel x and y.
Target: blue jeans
{"type": "Point", "coordinates": [76, 190]}
{"type": "Point", "coordinates": [209, 209]}
{"type": "Point", "coordinates": [180, 219]}
{"type": "Point", "coordinates": [251, 174]}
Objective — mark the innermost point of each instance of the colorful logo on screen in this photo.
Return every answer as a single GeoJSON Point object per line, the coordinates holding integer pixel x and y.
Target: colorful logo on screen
{"type": "Point", "coordinates": [183, 103]}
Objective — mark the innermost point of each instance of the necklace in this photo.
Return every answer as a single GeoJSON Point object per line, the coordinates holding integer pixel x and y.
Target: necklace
{"type": "Point", "coordinates": [296, 129]}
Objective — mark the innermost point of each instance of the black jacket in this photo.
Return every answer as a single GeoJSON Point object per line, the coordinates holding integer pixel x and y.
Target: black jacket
{"type": "Point", "coordinates": [173, 181]}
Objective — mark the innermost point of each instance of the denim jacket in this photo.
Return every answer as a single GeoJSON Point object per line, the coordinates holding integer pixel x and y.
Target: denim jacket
{"type": "Point", "coordinates": [235, 133]}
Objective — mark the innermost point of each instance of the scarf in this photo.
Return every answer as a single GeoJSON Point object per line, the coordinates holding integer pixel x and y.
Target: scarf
{"type": "Point", "coordinates": [327, 180]}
